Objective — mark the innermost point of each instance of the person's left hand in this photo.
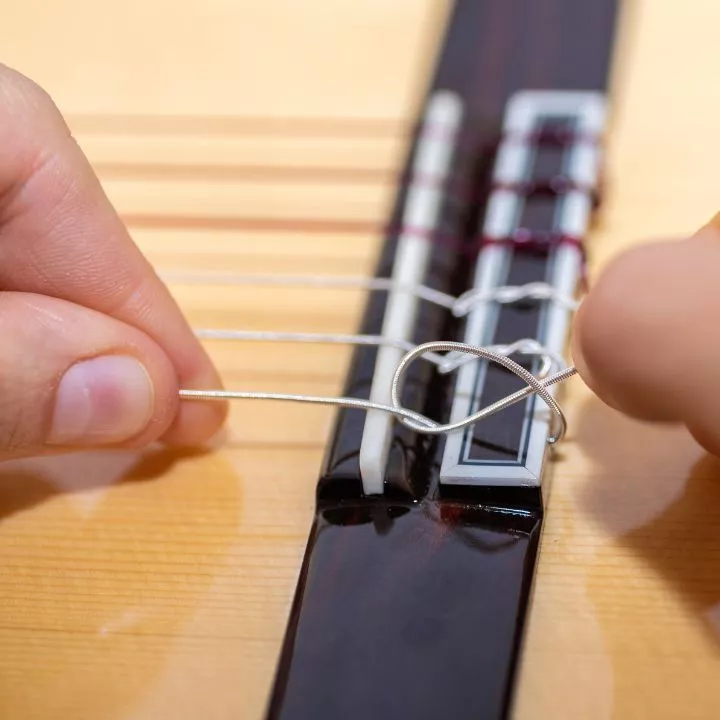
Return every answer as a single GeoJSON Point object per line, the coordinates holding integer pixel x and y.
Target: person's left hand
{"type": "Point", "coordinates": [93, 349]}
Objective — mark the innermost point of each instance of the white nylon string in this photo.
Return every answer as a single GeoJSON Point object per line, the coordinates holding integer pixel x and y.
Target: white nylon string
{"type": "Point", "coordinates": [460, 306]}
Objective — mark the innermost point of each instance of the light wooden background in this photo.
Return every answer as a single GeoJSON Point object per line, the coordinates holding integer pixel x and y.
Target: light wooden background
{"type": "Point", "coordinates": [264, 137]}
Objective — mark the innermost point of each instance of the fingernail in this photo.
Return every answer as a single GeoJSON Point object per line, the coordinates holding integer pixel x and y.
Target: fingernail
{"type": "Point", "coordinates": [102, 401]}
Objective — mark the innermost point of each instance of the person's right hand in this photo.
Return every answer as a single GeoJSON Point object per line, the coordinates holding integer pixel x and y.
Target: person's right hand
{"type": "Point", "coordinates": [646, 338]}
{"type": "Point", "coordinates": [93, 349]}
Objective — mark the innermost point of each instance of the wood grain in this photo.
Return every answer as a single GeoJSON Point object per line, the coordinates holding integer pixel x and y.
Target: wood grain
{"type": "Point", "coordinates": [265, 137]}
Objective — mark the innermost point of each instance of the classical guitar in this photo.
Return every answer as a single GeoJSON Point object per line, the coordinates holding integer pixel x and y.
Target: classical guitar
{"type": "Point", "coordinates": [470, 160]}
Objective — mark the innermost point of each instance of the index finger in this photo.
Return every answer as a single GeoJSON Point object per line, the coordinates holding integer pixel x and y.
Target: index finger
{"type": "Point", "coordinates": [60, 236]}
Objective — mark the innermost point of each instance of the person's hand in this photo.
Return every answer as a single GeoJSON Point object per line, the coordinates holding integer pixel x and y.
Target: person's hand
{"type": "Point", "coordinates": [646, 338]}
{"type": "Point", "coordinates": [93, 349]}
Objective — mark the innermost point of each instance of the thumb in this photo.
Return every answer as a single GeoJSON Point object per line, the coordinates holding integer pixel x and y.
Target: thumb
{"type": "Point", "coordinates": [645, 338]}
{"type": "Point", "coordinates": [73, 378]}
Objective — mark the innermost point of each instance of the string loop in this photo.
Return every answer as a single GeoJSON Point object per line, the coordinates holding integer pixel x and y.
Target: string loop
{"type": "Point", "coordinates": [535, 385]}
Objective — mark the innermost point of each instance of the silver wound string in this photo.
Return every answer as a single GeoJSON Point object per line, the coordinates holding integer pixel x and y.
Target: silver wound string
{"type": "Point", "coordinates": [460, 306]}
{"type": "Point", "coordinates": [535, 384]}
{"type": "Point", "coordinates": [345, 402]}
{"type": "Point", "coordinates": [417, 421]}
{"type": "Point", "coordinates": [527, 346]}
